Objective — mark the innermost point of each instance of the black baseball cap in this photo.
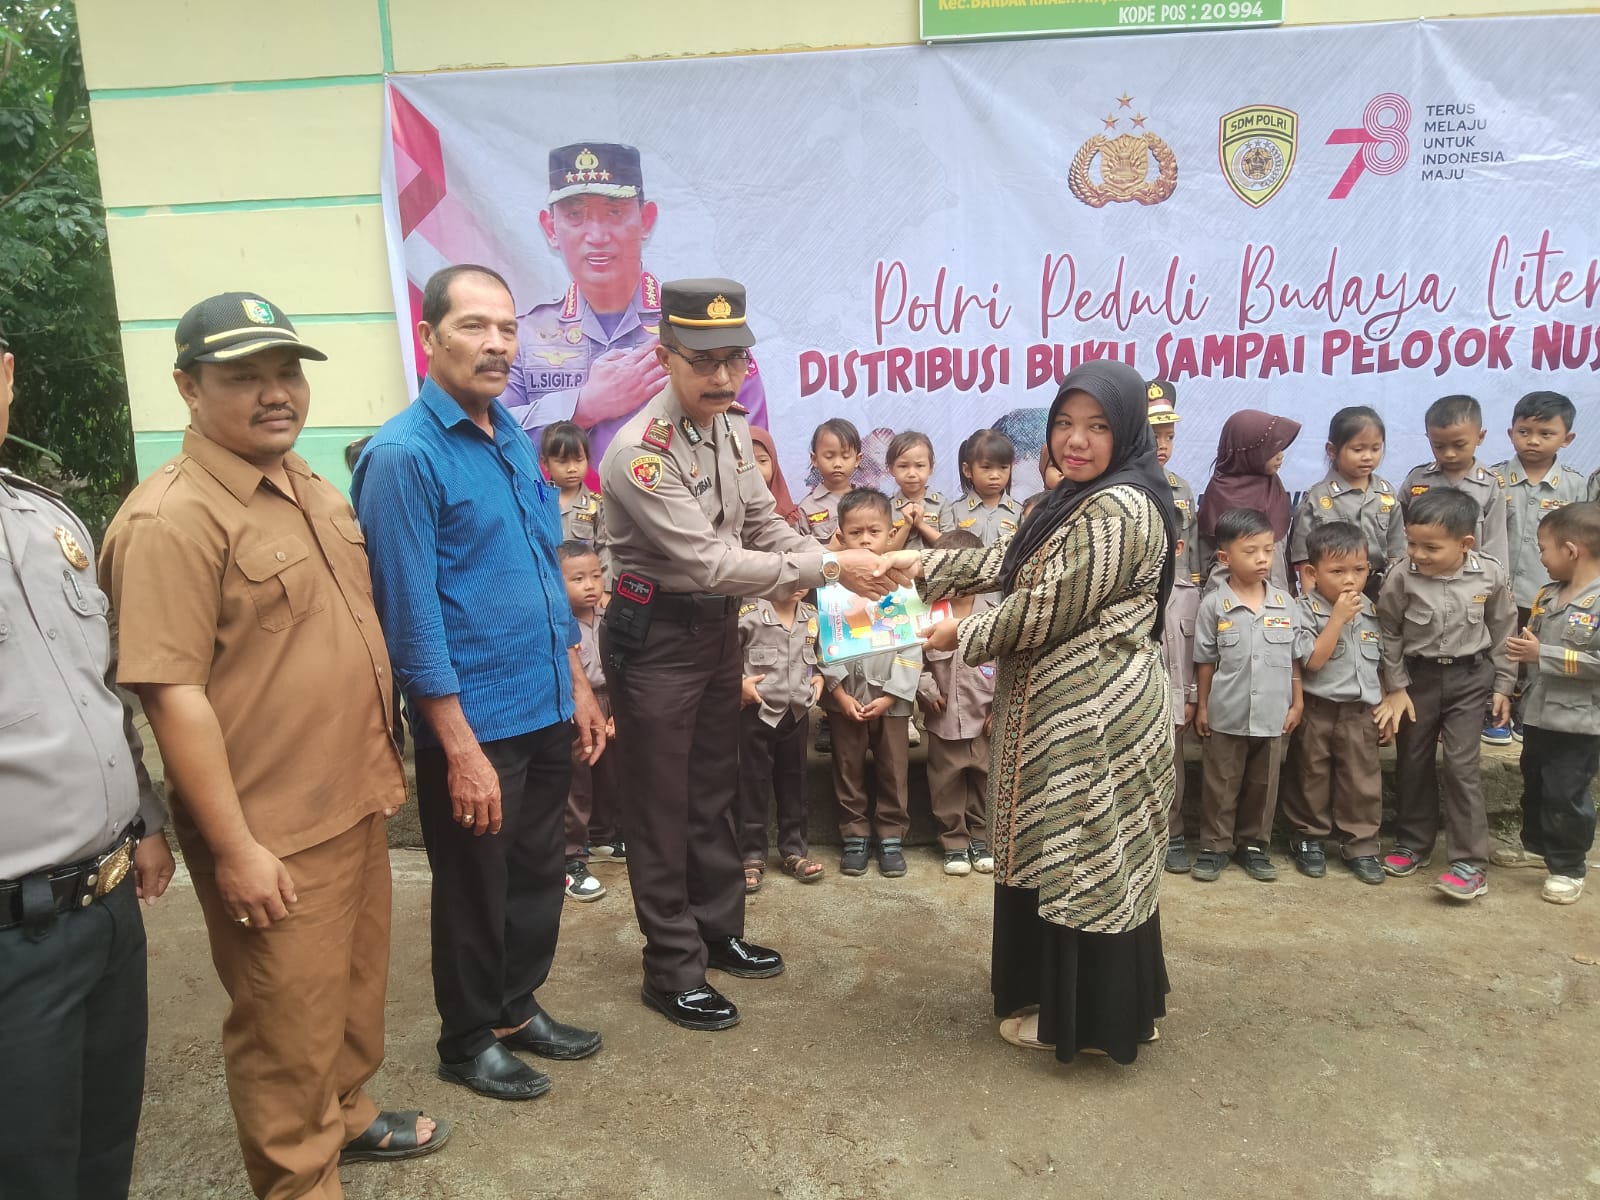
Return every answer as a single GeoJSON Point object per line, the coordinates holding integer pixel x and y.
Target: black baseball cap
{"type": "Point", "coordinates": [235, 325]}
{"type": "Point", "coordinates": [706, 314]}
{"type": "Point", "coordinates": [595, 169]}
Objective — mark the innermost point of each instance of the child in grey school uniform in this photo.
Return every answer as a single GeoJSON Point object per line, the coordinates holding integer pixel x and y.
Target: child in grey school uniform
{"type": "Point", "coordinates": [1248, 697]}
{"type": "Point", "coordinates": [958, 700]}
{"type": "Point", "coordinates": [592, 795]}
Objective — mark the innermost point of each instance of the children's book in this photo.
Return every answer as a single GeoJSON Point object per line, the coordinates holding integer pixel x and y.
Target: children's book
{"type": "Point", "coordinates": [851, 626]}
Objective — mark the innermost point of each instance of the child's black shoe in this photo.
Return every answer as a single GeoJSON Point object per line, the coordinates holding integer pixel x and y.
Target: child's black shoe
{"type": "Point", "coordinates": [891, 861]}
{"type": "Point", "coordinates": [1309, 859]}
{"type": "Point", "coordinates": [854, 859]}
{"type": "Point", "coordinates": [1178, 861]}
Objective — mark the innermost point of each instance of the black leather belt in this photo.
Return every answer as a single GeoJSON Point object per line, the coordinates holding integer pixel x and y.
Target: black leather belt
{"type": "Point", "coordinates": [692, 608]}
{"type": "Point", "coordinates": [1458, 660]}
{"type": "Point", "coordinates": [37, 897]}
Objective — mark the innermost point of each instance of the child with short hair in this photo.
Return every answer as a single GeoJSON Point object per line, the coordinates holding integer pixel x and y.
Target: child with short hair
{"type": "Point", "coordinates": [916, 509]}
{"type": "Point", "coordinates": [1352, 491]}
{"type": "Point", "coordinates": [564, 458]}
{"type": "Point", "coordinates": [958, 705]}
{"type": "Point", "coordinates": [1535, 485]}
{"type": "Point", "coordinates": [1455, 431]}
{"type": "Point", "coordinates": [985, 505]}
{"type": "Point", "coordinates": [836, 454]}
{"type": "Point", "coordinates": [1247, 696]}
{"type": "Point", "coordinates": [1250, 452]}
{"type": "Point", "coordinates": [1177, 654]}
{"type": "Point", "coordinates": [1332, 784]}
{"type": "Point", "coordinates": [1162, 398]}
{"type": "Point", "coordinates": [870, 700]}
{"type": "Point", "coordinates": [781, 685]}
{"type": "Point", "coordinates": [592, 796]}
{"type": "Point", "coordinates": [1561, 710]}
{"type": "Point", "coordinates": [1445, 619]}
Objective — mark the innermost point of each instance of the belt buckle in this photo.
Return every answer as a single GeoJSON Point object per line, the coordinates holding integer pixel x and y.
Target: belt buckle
{"type": "Point", "coordinates": [112, 868]}
{"type": "Point", "coordinates": [1448, 660]}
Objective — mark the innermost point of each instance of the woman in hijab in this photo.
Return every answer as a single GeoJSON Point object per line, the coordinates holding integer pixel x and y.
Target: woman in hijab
{"type": "Point", "coordinates": [767, 460]}
{"type": "Point", "coordinates": [1245, 475]}
{"type": "Point", "coordinates": [1082, 768]}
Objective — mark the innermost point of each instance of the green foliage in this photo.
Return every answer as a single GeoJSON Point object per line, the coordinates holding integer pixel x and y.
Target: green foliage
{"type": "Point", "coordinates": [57, 305]}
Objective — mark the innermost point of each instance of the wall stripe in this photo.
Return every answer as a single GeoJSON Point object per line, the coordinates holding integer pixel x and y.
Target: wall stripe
{"type": "Point", "coordinates": [216, 206]}
{"type": "Point", "coordinates": [247, 85]}
{"type": "Point", "coordinates": [373, 318]}
{"type": "Point", "coordinates": [386, 36]}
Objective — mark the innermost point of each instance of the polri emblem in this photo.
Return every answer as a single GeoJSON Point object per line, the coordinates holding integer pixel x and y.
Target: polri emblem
{"type": "Point", "coordinates": [1256, 145]}
{"type": "Point", "coordinates": [1124, 165]}
{"type": "Point", "coordinates": [75, 553]}
{"type": "Point", "coordinates": [646, 471]}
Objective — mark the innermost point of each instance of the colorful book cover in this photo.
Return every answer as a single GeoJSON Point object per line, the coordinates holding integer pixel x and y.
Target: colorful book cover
{"type": "Point", "coordinates": [851, 626]}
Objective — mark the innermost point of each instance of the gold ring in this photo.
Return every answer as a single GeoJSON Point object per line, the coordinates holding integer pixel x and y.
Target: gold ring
{"type": "Point", "coordinates": [242, 920]}
{"type": "Point", "coordinates": [467, 820]}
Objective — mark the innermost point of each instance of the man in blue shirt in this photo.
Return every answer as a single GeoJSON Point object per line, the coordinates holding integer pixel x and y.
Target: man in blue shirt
{"type": "Point", "coordinates": [458, 519]}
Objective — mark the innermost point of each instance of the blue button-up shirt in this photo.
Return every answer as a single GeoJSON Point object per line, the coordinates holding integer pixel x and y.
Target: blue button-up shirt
{"type": "Point", "coordinates": [462, 533]}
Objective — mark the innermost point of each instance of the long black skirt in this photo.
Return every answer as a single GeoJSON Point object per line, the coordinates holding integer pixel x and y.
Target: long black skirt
{"type": "Point", "coordinates": [1094, 990]}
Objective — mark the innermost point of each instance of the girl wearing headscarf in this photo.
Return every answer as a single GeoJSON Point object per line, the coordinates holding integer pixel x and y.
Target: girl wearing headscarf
{"type": "Point", "coordinates": [1249, 452]}
{"type": "Point", "coordinates": [1082, 768]}
{"type": "Point", "coordinates": [767, 460]}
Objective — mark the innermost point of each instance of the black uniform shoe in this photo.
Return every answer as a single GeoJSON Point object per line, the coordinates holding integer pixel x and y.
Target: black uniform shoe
{"type": "Point", "coordinates": [735, 956]}
{"type": "Point", "coordinates": [891, 860]}
{"type": "Point", "coordinates": [1367, 868]}
{"type": "Point", "coordinates": [702, 1007]}
{"type": "Point", "coordinates": [498, 1074]}
{"type": "Point", "coordinates": [1178, 860]}
{"type": "Point", "coordinates": [854, 859]}
{"type": "Point", "coordinates": [1208, 864]}
{"type": "Point", "coordinates": [1309, 859]}
{"type": "Point", "coordinates": [1256, 863]}
{"type": "Point", "coordinates": [549, 1038]}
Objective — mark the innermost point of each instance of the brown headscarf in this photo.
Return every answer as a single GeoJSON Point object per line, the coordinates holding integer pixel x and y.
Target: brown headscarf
{"type": "Point", "coordinates": [1249, 438]}
{"type": "Point", "coordinates": [778, 487]}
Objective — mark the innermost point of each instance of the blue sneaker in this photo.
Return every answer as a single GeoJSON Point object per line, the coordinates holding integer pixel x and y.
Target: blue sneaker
{"type": "Point", "coordinates": [1496, 735]}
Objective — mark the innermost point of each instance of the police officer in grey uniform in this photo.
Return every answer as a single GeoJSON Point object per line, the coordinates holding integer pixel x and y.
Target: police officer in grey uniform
{"type": "Point", "coordinates": [691, 528]}
{"type": "Point", "coordinates": [83, 842]}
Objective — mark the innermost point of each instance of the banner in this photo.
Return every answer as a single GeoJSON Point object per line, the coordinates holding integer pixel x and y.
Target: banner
{"type": "Point", "coordinates": [1288, 219]}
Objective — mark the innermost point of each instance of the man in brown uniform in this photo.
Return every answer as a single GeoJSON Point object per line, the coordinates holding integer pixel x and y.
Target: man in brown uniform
{"type": "Point", "coordinates": [691, 528]}
{"type": "Point", "coordinates": [248, 628]}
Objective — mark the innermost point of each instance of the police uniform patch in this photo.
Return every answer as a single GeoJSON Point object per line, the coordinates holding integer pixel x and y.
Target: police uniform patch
{"type": "Point", "coordinates": [1326, 501]}
{"type": "Point", "coordinates": [1276, 623]}
{"type": "Point", "coordinates": [583, 514]}
{"type": "Point", "coordinates": [1588, 600]}
{"type": "Point", "coordinates": [1385, 502]}
{"type": "Point", "coordinates": [1481, 598]}
{"type": "Point", "coordinates": [73, 552]}
{"type": "Point", "coordinates": [817, 518]}
{"type": "Point", "coordinates": [1224, 626]}
{"type": "Point", "coordinates": [1011, 525]}
{"type": "Point", "coordinates": [1418, 488]}
{"type": "Point", "coordinates": [748, 608]}
{"type": "Point", "coordinates": [646, 471]}
{"type": "Point", "coordinates": [691, 431]}
{"type": "Point", "coordinates": [968, 523]}
{"type": "Point", "coordinates": [1585, 620]}
{"type": "Point", "coordinates": [658, 434]}
{"type": "Point", "coordinates": [1371, 635]}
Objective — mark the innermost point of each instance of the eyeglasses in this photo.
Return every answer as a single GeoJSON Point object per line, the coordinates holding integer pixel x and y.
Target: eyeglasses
{"type": "Point", "coordinates": [705, 366]}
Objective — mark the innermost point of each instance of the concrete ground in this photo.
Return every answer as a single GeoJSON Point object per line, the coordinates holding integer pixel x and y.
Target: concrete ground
{"type": "Point", "coordinates": [1323, 1039]}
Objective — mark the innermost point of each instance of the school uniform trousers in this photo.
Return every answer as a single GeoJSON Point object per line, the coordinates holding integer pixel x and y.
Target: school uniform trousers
{"type": "Point", "coordinates": [1437, 759]}
{"type": "Point", "coordinates": [771, 758]}
{"type": "Point", "coordinates": [887, 739]}
{"type": "Point", "coordinates": [592, 800]}
{"type": "Point", "coordinates": [958, 780]}
{"type": "Point", "coordinates": [1332, 781]}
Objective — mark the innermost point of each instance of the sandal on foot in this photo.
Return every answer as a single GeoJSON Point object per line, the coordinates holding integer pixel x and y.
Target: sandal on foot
{"type": "Point", "coordinates": [754, 872]}
{"type": "Point", "coordinates": [403, 1142]}
{"type": "Point", "coordinates": [806, 870]}
{"type": "Point", "coordinates": [1011, 1031]}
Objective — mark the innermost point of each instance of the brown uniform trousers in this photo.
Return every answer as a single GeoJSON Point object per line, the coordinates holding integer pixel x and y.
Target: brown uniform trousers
{"type": "Point", "coordinates": [1319, 799]}
{"type": "Point", "coordinates": [890, 744]}
{"type": "Point", "coordinates": [304, 1030]}
{"type": "Point", "coordinates": [1240, 780]}
{"type": "Point", "coordinates": [1450, 701]}
{"type": "Point", "coordinates": [592, 801]}
{"type": "Point", "coordinates": [958, 781]}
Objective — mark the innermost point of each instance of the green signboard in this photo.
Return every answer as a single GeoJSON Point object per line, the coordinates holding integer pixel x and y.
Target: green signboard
{"type": "Point", "coordinates": [955, 20]}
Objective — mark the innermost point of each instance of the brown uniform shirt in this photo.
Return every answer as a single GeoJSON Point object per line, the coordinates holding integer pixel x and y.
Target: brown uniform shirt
{"type": "Point", "coordinates": [817, 514]}
{"type": "Point", "coordinates": [1485, 487]}
{"type": "Point", "coordinates": [581, 520]}
{"type": "Point", "coordinates": [787, 657]}
{"type": "Point", "coordinates": [686, 507]}
{"type": "Point", "coordinates": [968, 691]}
{"type": "Point", "coordinates": [1469, 612]}
{"type": "Point", "coordinates": [264, 599]}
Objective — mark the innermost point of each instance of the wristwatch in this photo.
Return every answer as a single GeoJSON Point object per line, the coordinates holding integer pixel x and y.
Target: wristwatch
{"type": "Point", "coordinates": [830, 567]}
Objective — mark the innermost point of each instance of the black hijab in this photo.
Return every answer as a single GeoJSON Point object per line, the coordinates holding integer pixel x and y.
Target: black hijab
{"type": "Point", "coordinates": [1121, 393]}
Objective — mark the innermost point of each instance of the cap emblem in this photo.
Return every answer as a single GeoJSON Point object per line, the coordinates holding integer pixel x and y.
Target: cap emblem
{"type": "Point", "coordinates": [1155, 392]}
{"type": "Point", "coordinates": [719, 309]}
{"type": "Point", "coordinates": [258, 312]}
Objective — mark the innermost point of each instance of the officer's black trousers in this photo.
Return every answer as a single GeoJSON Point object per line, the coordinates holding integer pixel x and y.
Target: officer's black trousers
{"type": "Point", "coordinates": [73, 1014]}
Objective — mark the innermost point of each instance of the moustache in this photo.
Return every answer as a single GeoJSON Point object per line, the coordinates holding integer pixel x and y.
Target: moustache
{"type": "Point", "coordinates": [725, 394]}
{"type": "Point", "coordinates": [492, 362]}
{"type": "Point", "coordinates": [274, 414]}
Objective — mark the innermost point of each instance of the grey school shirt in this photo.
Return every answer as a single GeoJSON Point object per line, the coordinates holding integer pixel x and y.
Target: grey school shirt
{"type": "Point", "coordinates": [1564, 694]}
{"type": "Point", "coordinates": [1351, 673]}
{"type": "Point", "coordinates": [817, 514]}
{"type": "Point", "coordinates": [888, 673]}
{"type": "Point", "coordinates": [787, 657]}
{"type": "Point", "coordinates": [1375, 509]}
{"type": "Point", "coordinates": [1177, 643]}
{"type": "Point", "coordinates": [1486, 490]}
{"type": "Point", "coordinates": [1470, 611]}
{"type": "Point", "coordinates": [1527, 501]}
{"type": "Point", "coordinates": [581, 519]}
{"type": "Point", "coordinates": [1253, 685]}
{"type": "Point", "coordinates": [967, 691]}
{"type": "Point", "coordinates": [990, 524]}
{"type": "Point", "coordinates": [932, 509]}
{"type": "Point", "coordinates": [1188, 513]}
{"type": "Point", "coordinates": [72, 774]}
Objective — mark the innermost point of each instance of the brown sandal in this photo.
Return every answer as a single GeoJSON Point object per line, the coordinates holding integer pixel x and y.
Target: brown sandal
{"type": "Point", "coordinates": [754, 871]}
{"type": "Point", "coordinates": [806, 870]}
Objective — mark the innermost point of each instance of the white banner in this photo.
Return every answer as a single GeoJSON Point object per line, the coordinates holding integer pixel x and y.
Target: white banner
{"type": "Point", "coordinates": [1288, 219]}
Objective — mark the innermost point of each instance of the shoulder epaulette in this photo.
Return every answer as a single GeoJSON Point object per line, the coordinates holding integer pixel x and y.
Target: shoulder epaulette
{"type": "Point", "coordinates": [747, 608]}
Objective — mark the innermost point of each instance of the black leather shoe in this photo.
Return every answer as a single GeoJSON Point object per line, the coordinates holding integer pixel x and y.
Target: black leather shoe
{"type": "Point", "coordinates": [744, 959]}
{"type": "Point", "coordinates": [549, 1038]}
{"type": "Point", "coordinates": [1309, 858]}
{"type": "Point", "coordinates": [498, 1074]}
{"type": "Point", "coordinates": [1367, 868]}
{"type": "Point", "coordinates": [702, 1007]}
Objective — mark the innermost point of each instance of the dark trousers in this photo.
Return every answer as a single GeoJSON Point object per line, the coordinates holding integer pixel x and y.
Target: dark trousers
{"type": "Point", "coordinates": [592, 799]}
{"type": "Point", "coordinates": [1450, 701]}
{"type": "Point", "coordinates": [676, 704]}
{"type": "Point", "coordinates": [958, 786]}
{"type": "Point", "coordinates": [888, 740]}
{"type": "Point", "coordinates": [771, 759]}
{"type": "Point", "coordinates": [1239, 790]}
{"type": "Point", "coordinates": [1175, 813]}
{"type": "Point", "coordinates": [72, 1040]}
{"type": "Point", "coordinates": [496, 897]}
{"type": "Point", "coordinates": [1558, 815]}
{"type": "Point", "coordinates": [1332, 782]}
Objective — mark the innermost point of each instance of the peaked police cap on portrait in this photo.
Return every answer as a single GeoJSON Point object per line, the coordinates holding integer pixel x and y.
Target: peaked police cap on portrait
{"type": "Point", "coordinates": [595, 169]}
{"type": "Point", "coordinates": [235, 325]}
{"type": "Point", "coordinates": [706, 314]}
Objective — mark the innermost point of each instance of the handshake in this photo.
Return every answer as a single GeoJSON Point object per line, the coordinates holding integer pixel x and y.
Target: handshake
{"type": "Point", "coordinates": [876, 575]}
